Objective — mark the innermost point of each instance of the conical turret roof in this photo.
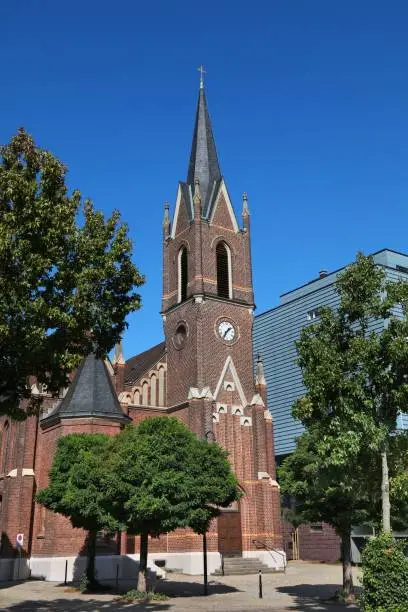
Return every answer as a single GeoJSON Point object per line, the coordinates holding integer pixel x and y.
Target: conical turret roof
{"type": "Point", "coordinates": [90, 394]}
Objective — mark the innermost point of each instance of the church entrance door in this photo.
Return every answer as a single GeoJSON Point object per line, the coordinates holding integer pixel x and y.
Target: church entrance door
{"type": "Point", "coordinates": [230, 534]}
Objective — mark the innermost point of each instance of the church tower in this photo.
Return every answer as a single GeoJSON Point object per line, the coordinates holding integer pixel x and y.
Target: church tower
{"type": "Point", "coordinates": [207, 311]}
{"type": "Point", "coordinates": [207, 291]}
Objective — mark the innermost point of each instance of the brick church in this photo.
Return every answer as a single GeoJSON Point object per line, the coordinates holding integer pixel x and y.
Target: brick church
{"type": "Point", "coordinates": [202, 373]}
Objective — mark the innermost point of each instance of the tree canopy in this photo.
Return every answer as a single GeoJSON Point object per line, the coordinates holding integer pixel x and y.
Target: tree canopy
{"type": "Point", "coordinates": [354, 362]}
{"type": "Point", "coordinates": [148, 480]}
{"type": "Point", "coordinates": [75, 487]}
{"type": "Point", "coordinates": [162, 477]}
{"type": "Point", "coordinates": [60, 278]}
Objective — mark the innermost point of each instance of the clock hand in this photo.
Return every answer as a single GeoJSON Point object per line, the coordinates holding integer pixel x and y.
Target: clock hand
{"type": "Point", "coordinates": [226, 331]}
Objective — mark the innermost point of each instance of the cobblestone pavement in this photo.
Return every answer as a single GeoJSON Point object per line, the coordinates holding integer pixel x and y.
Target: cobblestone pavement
{"type": "Point", "coordinates": [305, 587]}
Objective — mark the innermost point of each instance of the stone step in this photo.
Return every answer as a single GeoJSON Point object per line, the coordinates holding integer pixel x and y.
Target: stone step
{"type": "Point", "coordinates": [242, 566]}
{"type": "Point", "coordinates": [240, 560]}
{"type": "Point", "coordinates": [235, 571]}
{"type": "Point", "coordinates": [254, 565]}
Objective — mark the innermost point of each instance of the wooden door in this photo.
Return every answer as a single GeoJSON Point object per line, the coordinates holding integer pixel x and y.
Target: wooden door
{"type": "Point", "coordinates": [230, 534]}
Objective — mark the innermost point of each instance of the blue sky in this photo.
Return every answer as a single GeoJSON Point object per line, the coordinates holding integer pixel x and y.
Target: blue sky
{"type": "Point", "coordinates": [309, 104]}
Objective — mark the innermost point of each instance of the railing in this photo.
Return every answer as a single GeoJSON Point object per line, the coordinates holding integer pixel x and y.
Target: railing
{"type": "Point", "coordinates": [260, 544]}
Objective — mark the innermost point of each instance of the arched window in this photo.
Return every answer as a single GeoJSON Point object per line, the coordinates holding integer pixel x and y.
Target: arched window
{"type": "Point", "coordinates": [136, 398]}
{"type": "Point", "coordinates": [161, 386]}
{"type": "Point", "coordinates": [153, 390]}
{"type": "Point", "coordinates": [182, 274]}
{"type": "Point", "coordinates": [145, 393]}
{"type": "Point", "coordinates": [224, 280]}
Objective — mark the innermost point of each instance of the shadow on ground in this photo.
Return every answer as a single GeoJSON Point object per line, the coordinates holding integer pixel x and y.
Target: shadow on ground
{"type": "Point", "coordinates": [174, 588]}
{"type": "Point", "coordinates": [315, 597]}
{"type": "Point", "coordinates": [81, 605]}
{"type": "Point", "coordinates": [87, 604]}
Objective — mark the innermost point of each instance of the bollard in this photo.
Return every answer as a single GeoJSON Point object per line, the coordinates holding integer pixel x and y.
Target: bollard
{"type": "Point", "coordinates": [117, 578]}
{"type": "Point", "coordinates": [260, 584]}
{"type": "Point", "coordinates": [66, 572]}
{"type": "Point", "coordinates": [19, 563]}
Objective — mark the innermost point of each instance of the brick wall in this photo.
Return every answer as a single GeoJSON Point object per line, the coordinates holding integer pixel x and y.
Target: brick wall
{"type": "Point", "coordinates": [316, 543]}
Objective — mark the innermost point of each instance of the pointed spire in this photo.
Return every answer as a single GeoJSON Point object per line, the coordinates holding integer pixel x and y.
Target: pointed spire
{"type": "Point", "coordinates": [118, 358]}
{"type": "Point", "coordinates": [203, 158]}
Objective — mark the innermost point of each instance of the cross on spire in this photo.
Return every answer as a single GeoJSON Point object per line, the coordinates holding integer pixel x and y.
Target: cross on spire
{"type": "Point", "coordinates": [202, 73]}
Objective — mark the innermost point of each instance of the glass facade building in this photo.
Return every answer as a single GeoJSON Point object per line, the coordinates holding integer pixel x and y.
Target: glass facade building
{"type": "Point", "coordinates": [275, 334]}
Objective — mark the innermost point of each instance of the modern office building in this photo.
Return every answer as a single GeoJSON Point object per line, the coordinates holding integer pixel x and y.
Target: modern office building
{"type": "Point", "coordinates": [275, 334]}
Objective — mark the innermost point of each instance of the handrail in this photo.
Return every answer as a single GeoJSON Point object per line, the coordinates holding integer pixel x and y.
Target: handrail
{"type": "Point", "coordinates": [270, 548]}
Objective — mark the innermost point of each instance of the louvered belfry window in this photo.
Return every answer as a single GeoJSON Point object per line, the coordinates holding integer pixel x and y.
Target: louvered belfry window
{"type": "Point", "coordinates": [223, 280]}
{"type": "Point", "coordinates": [183, 274]}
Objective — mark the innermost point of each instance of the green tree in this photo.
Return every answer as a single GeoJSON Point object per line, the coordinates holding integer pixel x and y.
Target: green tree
{"type": "Point", "coordinates": [335, 481]}
{"type": "Point", "coordinates": [356, 384]}
{"type": "Point", "coordinates": [58, 278]}
{"type": "Point", "coordinates": [162, 477]}
{"type": "Point", "coordinates": [350, 368]}
{"type": "Point", "coordinates": [75, 488]}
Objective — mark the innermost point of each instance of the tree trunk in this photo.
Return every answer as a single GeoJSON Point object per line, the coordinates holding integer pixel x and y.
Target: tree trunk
{"type": "Point", "coordinates": [142, 576]}
{"type": "Point", "coordinates": [348, 586]}
{"type": "Point", "coordinates": [385, 494]}
{"type": "Point", "coordinates": [91, 549]}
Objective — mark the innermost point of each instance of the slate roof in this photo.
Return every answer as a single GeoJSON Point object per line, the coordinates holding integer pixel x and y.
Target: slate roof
{"type": "Point", "coordinates": [90, 394]}
{"type": "Point", "coordinates": [203, 158]}
{"type": "Point", "coordinates": [139, 364]}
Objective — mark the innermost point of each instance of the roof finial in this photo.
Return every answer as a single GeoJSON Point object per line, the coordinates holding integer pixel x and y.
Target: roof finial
{"type": "Point", "coordinates": [260, 372]}
{"type": "Point", "coordinates": [197, 194]}
{"type": "Point", "coordinates": [245, 209]}
{"type": "Point", "coordinates": [118, 358]}
{"type": "Point", "coordinates": [202, 73]}
{"type": "Point", "coordinates": [166, 218]}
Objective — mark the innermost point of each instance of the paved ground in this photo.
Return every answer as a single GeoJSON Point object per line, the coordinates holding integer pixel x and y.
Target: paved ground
{"type": "Point", "coordinates": [305, 587]}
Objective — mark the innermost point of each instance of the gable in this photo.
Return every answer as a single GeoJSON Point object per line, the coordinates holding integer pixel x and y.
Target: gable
{"type": "Point", "coordinates": [222, 213]}
{"type": "Point", "coordinates": [229, 375]}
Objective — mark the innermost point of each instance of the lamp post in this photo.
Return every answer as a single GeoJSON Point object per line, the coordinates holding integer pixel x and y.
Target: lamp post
{"type": "Point", "coordinates": [209, 436]}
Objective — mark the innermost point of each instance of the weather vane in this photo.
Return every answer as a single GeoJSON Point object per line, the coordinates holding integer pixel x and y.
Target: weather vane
{"type": "Point", "coordinates": [202, 73]}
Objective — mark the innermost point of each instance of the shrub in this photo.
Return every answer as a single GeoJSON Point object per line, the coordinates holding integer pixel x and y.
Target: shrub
{"type": "Point", "coordinates": [83, 584]}
{"type": "Point", "coordinates": [142, 596]}
{"type": "Point", "coordinates": [385, 576]}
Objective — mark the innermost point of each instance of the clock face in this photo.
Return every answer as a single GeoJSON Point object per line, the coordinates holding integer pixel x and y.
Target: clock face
{"type": "Point", "coordinates": [226, 331]}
